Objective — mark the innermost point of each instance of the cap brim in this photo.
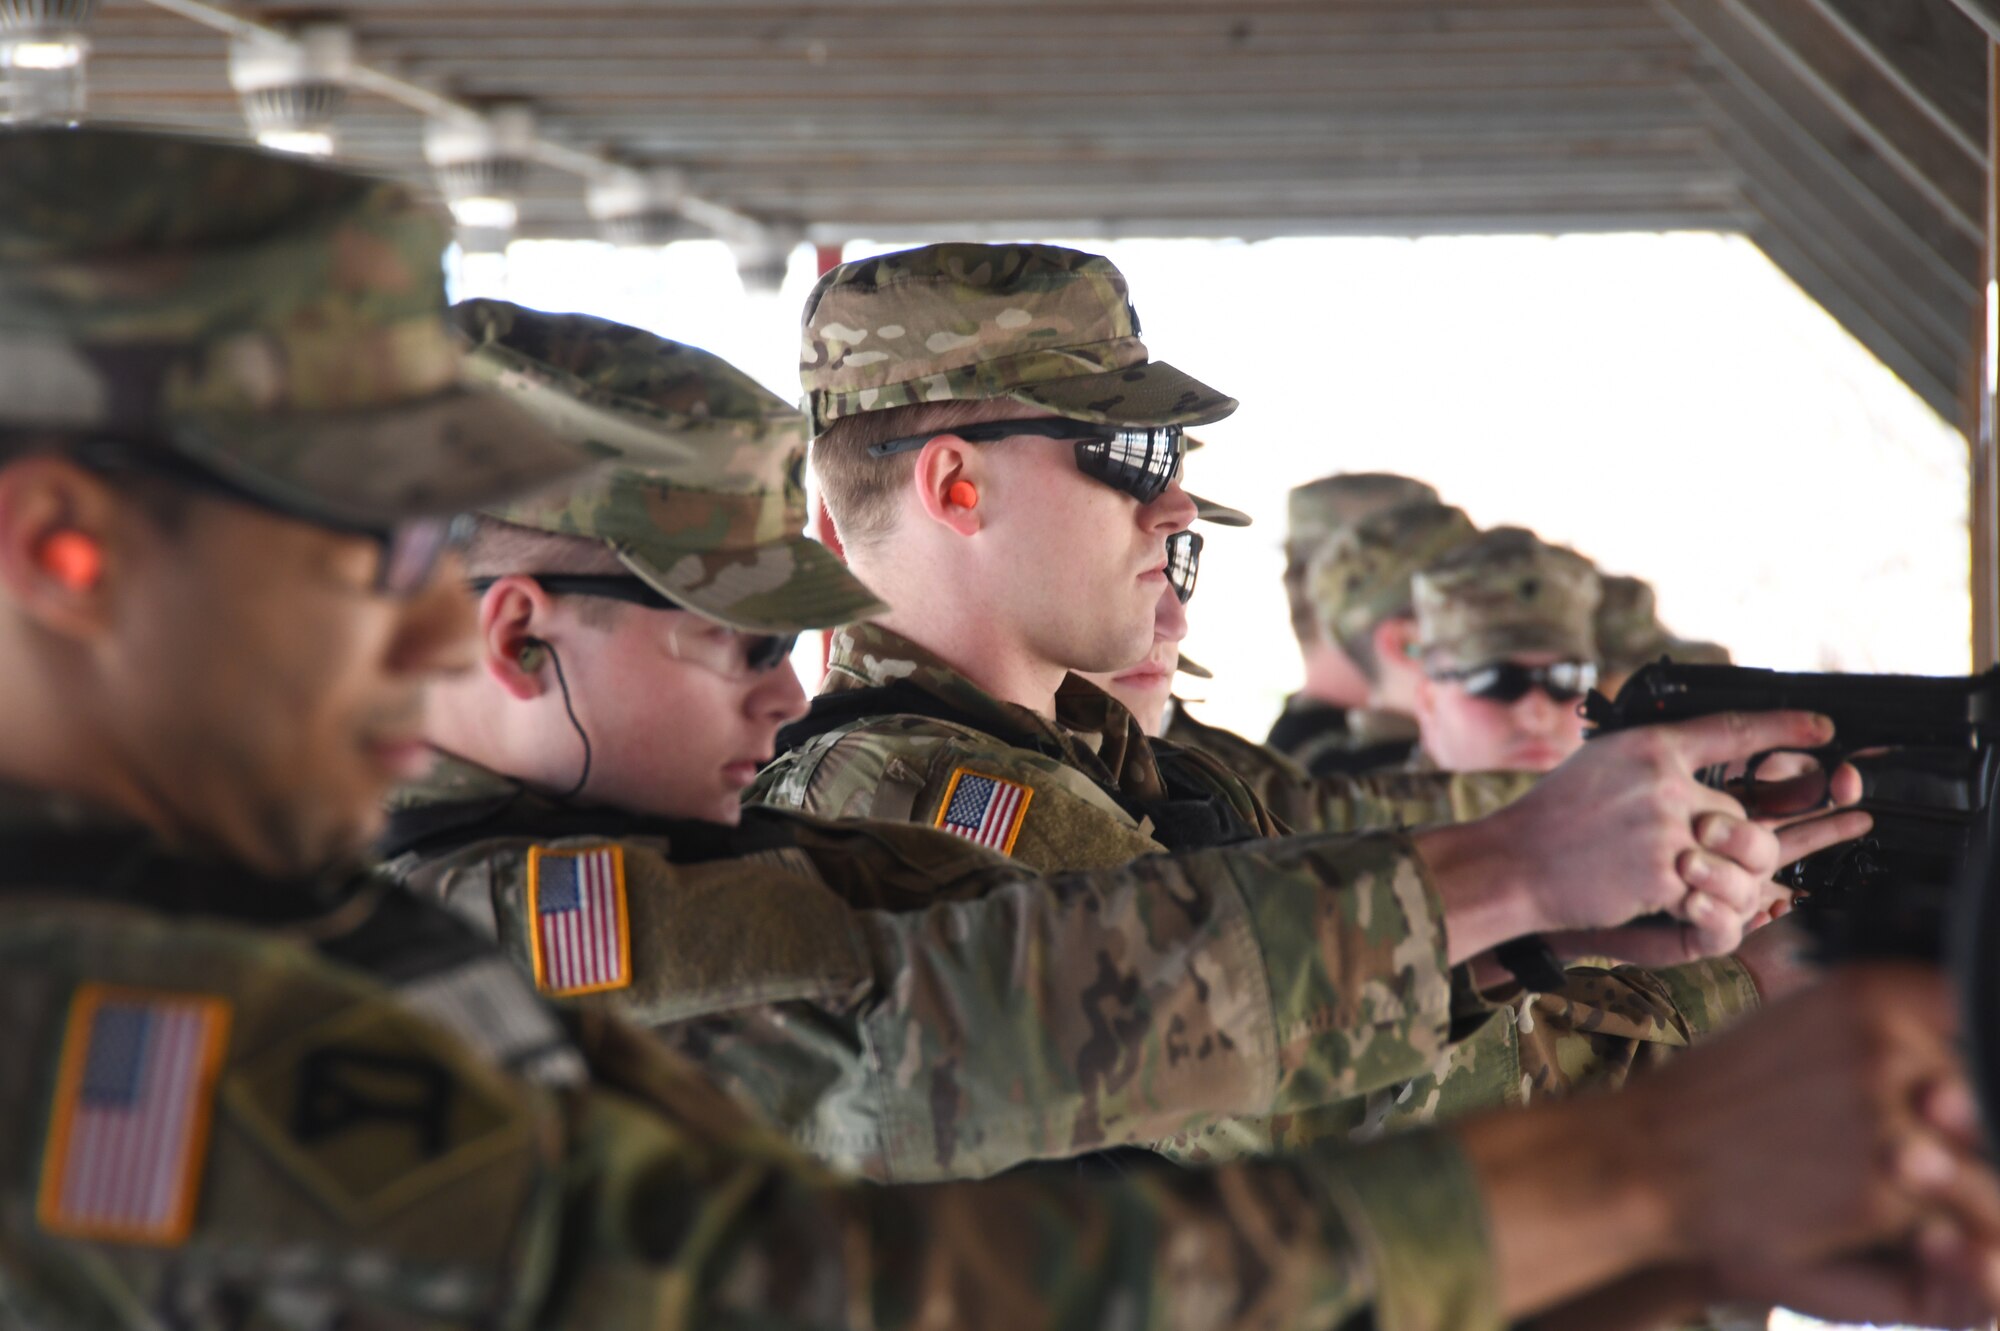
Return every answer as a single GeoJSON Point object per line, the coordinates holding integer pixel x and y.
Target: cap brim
{"type": "Point", "coordinates": [1187, 665]}
{"type": "Point", "coordinates": [1151, 394]}
{"type": "Point", "coordinates": [785, 586]}
{"type": "Point", "coordinates": [1508, 640]}
{"type": "Point", "coordinates": [1207, 510]}
{"type": "Point", "coordinates": [465, 448]}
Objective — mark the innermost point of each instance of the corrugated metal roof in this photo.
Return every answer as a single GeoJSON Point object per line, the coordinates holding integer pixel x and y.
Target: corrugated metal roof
{"type": "Point", "coordinates": [1846, 136]}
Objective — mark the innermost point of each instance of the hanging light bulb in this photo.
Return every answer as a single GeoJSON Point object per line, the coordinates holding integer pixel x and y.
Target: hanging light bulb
{"type": "Point", "coordinates": [44, 45]}
{"type": "Point", "coordinates": [641, 206]}
{"type": "Point", "coordinates": [764, 256]}
{"type": "Point", "coordinates": [293, 84]}
{"type": "Point", "coordinates": [480, 162]}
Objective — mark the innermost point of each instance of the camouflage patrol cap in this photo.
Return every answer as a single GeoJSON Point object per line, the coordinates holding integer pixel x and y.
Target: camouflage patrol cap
{"type": "Point", "coordinates": [1506, 593]}
{"type": "Point", "coordinates": [1362, 573]}
{"type": "Point", "coordinates": [1630, 634]}
{"type": "Point", "coordinates": [1316, 510]}
{"type": "Point", "coordinates": [1050, 327]}
{"type": "Point", "coordinates": [275, 320]}
{"type": "Point", "coordinates": [704, 496]}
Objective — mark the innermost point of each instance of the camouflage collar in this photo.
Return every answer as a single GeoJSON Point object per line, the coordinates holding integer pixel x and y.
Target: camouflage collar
{"type": "Point", "coordinates": [454, 781]}
{"type": "Point", "coordinates": [1377, 725]}
{"type": "Point", "coordinates": [1092, 731]}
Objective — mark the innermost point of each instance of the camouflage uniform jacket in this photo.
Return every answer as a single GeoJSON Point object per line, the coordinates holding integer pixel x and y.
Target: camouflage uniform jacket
{"type": "Point", "coordinates": [910, 1006]}
{"type": "Point", "coordinates": [1084, 796]}
{"type": "Point", "coordinates": [1304, 727]}
{"type": "Point", "coordinates": [349, 1113]}
{"type": "Point", "coordinates": [910, 767]}
{"type": "Point", "coordinates": [1309, 804]}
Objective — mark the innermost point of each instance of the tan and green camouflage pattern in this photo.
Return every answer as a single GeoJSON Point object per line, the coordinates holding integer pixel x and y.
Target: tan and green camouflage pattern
{"type": "Point", "coordinates": [1362, 575]}
{"type": "Point", "coordinates": [704, 495]}
{"type": "Point", "coordinates": [1038, 324]}
{"type": "Point", "coordinates": [1630, 634]}
{"type": "Point", "coordinates": [899, 768]}
{"type": "Point", "coordinates": [1306, 803]}
{"type": "Point", "coordinates": [1319, 508]}
{"type": "Point", "coordinates": [1016, 1016]}
{"type": "Point", "coordinates": [647, 1199]}
{"type": "Point", "coordinates": [277, 320]}
{"type": "Point", "coordinates": [1507, 593]}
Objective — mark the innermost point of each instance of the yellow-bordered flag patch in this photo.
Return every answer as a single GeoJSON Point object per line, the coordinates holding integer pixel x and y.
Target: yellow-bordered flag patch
{"type": "Point", "coordinates": [134, 1099]}
{"type": "Point", "coordinates": [577, 924]}
{"type": "Point", "coordinates": [985, 809]}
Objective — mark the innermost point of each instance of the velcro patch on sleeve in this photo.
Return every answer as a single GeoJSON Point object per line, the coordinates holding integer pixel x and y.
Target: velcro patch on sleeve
{"type": "Point", "coordinates": [135, 1097]}
{"type": "Point", "coordinates": [579, 932]}
{"type": "Point", "coordinates": [988, 810]}
{"type": "Point", "coordinates": [374, 1110]}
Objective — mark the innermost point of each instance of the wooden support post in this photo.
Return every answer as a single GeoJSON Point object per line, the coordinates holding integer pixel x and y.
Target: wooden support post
{"type": "Point", "coordinates": [1986, 445]}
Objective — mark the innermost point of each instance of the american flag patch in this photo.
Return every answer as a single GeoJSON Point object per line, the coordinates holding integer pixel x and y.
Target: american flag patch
{"type": "Point", "coordinates": [576, 913]}
{"type": "Point", "coordinates": [133, 1102]}
{"type": "Point", "coordinates": [985, 809]}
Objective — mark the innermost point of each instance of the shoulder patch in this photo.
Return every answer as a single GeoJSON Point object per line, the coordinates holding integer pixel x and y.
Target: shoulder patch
{"type": "Point", "coordinates": [985, 809]}
{"type": "Point", "coordinates": [579, 932]}
{"type": "Point", "coordinates": [372, 1110]}
{"type": "Point", "coordinates": [134, 1101]}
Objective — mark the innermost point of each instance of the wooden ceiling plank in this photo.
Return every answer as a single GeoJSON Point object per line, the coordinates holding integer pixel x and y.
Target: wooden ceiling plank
{"type": "Point", "coordinates": [1930, 52]}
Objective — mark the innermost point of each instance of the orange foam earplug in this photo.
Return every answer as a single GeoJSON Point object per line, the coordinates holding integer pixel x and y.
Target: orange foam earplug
{"type": "Point", "coordinates": [963, 494]}
{"type": "Point", "coordinates": [73, 559]}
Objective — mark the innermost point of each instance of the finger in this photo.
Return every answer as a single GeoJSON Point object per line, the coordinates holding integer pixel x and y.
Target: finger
{"type": "Point", "coordinates": [1786, 797]}
{"type": "Point", "coordinates": [1950, 1107]}
{"type": "Point", "coordinates": [1733, 736]}
{"type": "Point", "coordinates": [1950, 1180]}
{"type": "Point", "coordinates": [1713, 929]}
{"type": "Point", "coordinates": [1798, 840]}
{"type": "Point", "coordinates": [1739, 892]}
{"type": "Point", "coordinates": [1735, 839]}
{"type": "Point", "coordinates": [1845, 785]}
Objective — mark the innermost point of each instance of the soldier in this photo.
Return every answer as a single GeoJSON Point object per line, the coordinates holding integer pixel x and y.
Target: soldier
{"type": "Point", "coordinates": [1508, 652]}
{"type": "Point", "coordinates": [576, 744]}
{"type": "Point", "coordinates": [239, 1089]}
{"type": "Point", "coordinates": [1360, 586]}
{"type": "Point", "coordinates": [1001, 460]}
{"type": "Point", "coordinates": [1630, 634]}
{"type": "Point", "coordinates": [1315, 719]}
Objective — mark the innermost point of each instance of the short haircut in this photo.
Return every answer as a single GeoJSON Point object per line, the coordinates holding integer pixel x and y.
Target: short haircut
{"type": "Point", "coordinates": [861, 491]}
{"type": "Point", "coordinates": [159, 498]}
{"type": "Point", "coordinates": [497, 549]}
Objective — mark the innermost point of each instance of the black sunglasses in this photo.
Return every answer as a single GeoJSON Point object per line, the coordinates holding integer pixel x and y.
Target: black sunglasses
{"type": "Point", "coordinates": [1183, 563]}
{"type": "Point", "coordinates": [1140, 461]}
{"type": "Point", "coordinates": [411, 549]}
{"type": "Point", "coordinates": [762, 652]}
{"type": "Point", "coordinates": [1509, 681]}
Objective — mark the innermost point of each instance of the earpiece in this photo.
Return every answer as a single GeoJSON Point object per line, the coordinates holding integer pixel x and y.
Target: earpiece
{"type": "Point", "coordinates": [962, 494]}
{"type": "Point", "coordinates": [72, 559]}
{"type": "Point", "coordinates": [533, 655]}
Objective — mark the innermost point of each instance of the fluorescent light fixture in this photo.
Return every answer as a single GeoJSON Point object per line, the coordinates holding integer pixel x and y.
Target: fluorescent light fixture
{"type": "Point", "coordinates": [305, 142]}
{"type": "Point", "coordinates": [44, 54]}
{"type": "Point", "coordinates": [486, 212]}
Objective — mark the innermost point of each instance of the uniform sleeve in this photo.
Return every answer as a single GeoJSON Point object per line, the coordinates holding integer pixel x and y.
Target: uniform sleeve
{"type": "Point", "coordinates": [1395, 1231]}
{"type": "Point", "coordinates": [1047, 1017]}
{"type": "Point", "coordinates": [1342, 803]}
{"type": "Point", "coordinates": [1709, 995]}
{"type": "Point", "coordinates": [1016, 1016]}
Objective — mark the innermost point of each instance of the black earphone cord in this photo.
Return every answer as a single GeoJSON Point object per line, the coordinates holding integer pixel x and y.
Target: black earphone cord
{"type": "Point", "coordinates": [569, 706]}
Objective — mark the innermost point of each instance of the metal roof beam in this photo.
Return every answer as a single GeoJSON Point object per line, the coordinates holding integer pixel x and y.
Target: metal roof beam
{"type": "Point", "coordinates": [428, 101]}
{"type": "Point", "coordinates": [1929, 52]}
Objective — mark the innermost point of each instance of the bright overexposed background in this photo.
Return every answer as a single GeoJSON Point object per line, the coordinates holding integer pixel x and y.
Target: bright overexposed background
{"type": "Point", "coordinates": [1671, 405]}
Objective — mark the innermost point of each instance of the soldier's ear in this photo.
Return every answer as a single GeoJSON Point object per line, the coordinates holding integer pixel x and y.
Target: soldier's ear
{"type": "Point", "coordinates": [1396, 642]}
{"type": "Point", "coordinates": [58, 528]}
{"type": "Point", "coordinates": [513, 615]}
{"type": "Point", "coordinates": [944, 477]}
